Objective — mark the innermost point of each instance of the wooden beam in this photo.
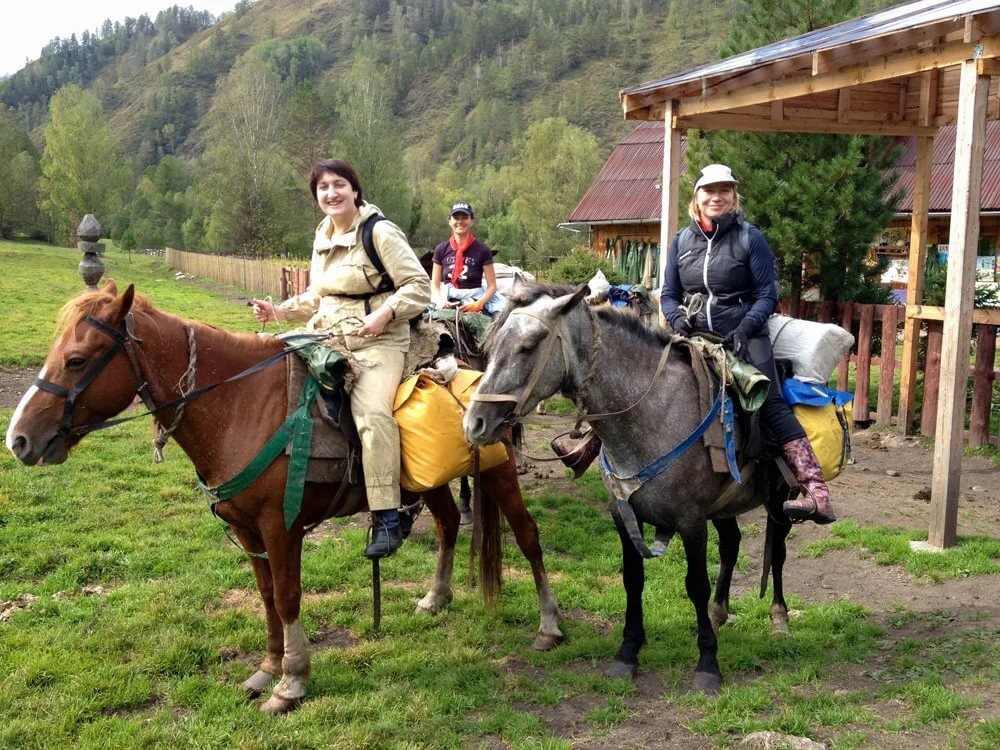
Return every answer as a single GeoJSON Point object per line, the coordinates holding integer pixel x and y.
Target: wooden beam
{"type": "Point", "coordinates": [725, 121]}
{"type": "Point", "coordinates": [843, 105]}
{"type": "Point", "coordinates": [989, 67]}
{"type": "Point", "coordinates": [985, 316]}
{"type": "Point", "coordinates": [928, 96]}
{"type": "Point", "coordinates": [879, 69]}
{"type": "Point", "coordinates": [963, 242]}
{"type": "Point", "coordinates": [915, 283]}
{"type": "Point", "coordinates": [669, 188]}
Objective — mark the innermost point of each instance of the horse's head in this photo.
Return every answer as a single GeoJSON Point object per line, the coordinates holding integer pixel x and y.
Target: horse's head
{"type": "Point", "coordinates": [87, 378]}
{"type": "Point", "coordinates": [528, 349]}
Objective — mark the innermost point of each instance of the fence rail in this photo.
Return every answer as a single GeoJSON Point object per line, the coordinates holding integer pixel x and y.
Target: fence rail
{"type": "Point", "coordinates": [251, 275]}
{"type": "Point", "coordinates": [882, 324]}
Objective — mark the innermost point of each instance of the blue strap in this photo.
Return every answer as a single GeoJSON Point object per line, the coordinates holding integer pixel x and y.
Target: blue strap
{"type": "Point", "coordinates": [659, 465]}
{"type": "Point", "coordinates": [729, 436]}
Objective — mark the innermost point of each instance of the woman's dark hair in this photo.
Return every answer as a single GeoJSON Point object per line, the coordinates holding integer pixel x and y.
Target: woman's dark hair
{"type": "Point", "coordinates": [340, 168]}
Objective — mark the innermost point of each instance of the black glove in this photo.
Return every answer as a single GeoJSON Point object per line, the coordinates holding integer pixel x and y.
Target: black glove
{"type": "Point", "coordinates": [682, 327]}
{"type": "Point", "coordinates": [738, 341]}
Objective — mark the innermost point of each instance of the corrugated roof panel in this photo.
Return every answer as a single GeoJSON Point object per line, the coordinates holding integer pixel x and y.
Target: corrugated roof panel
{"type": "Point", "coordinates": [901, 17]}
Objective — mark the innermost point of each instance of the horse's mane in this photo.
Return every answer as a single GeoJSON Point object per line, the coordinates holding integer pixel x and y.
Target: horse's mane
{"type": "Point", "coordinates": [89, 303]}
{"type": "Point", "coordinates": [625, 320]}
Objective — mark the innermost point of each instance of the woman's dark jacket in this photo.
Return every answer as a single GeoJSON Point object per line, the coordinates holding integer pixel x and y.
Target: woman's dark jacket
{"type": "Point", "coordinates": [736, 278]}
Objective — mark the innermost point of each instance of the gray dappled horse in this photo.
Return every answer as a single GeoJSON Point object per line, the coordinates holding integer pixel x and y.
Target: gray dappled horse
{"type": "Point", "coordinates": [546, 342]}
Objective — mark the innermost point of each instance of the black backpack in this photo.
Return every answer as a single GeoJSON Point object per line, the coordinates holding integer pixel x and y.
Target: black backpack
{"type": "Point", "coordinates": [385, 283]}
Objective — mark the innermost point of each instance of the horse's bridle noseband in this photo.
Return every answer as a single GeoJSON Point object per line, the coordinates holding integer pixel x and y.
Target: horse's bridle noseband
{"type": "Point", "coordinates": [554, 336]}
{"type": "Point", "coordinates": [123, 338]}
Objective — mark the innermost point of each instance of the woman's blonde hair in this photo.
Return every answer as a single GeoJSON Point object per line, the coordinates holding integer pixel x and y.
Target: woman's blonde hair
{"type": "Point", "coordinates": [693, 205]}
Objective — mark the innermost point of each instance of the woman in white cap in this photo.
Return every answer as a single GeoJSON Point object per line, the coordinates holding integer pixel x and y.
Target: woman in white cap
{"type": "Point", "coordinates": [462, 275]}
{"type": "Point", "coordinates": [720, 278]}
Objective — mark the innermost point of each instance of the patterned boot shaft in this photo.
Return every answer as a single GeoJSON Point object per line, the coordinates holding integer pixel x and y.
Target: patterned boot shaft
{"type": "Point", "coordinates": [814, 502]}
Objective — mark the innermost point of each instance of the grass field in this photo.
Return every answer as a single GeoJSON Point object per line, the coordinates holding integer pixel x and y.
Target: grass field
{"type": "Point", "coordinates": [146, 618]}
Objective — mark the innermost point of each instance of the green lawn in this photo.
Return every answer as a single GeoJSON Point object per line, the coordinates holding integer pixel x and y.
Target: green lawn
{"type": "Point", "coordinates": [154, 656]}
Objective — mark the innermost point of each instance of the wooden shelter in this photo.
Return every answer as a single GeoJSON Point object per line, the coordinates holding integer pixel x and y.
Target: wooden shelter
{"type": "Point", "coordinates": [907, 70]}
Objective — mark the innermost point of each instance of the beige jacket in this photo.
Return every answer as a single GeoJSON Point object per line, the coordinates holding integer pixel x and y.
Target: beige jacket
{"type": "Point", "coordinates": [340, 266]}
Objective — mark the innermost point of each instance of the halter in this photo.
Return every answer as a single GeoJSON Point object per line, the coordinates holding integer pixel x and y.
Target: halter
{"type": "Point", "coordinates": [556, 334]}
{"type": "Point", "coordinates": [123, 338]}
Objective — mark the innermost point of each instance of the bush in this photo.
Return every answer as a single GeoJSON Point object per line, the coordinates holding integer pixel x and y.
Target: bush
{"type": "Point", "coordinates": [580, 266]}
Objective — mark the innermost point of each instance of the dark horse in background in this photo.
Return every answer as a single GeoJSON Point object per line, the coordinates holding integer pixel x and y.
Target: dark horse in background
{"type": "Point", "coordinates": [546, 342]}
{"type": "Point", "coordinates": [110, 345]}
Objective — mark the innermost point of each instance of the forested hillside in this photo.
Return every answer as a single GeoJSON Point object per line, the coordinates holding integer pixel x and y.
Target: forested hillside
{"type": "Point", "coordinates": [211, 123]}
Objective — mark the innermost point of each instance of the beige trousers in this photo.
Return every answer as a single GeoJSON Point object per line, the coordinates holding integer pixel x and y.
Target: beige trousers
{"type": "Point", "coordinates": [371, 405]}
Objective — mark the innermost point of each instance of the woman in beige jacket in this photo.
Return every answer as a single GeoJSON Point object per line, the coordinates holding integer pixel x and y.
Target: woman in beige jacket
{"type": "Point", "coordinates": [346, 296]}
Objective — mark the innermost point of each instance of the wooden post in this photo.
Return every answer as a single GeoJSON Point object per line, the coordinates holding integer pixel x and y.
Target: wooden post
{"type": "Point", "coordinates": [915, 283]}
{"type": "Point", "coordinates": [887, 369]}
{"type": "Point", "coordinates": [669, 188]}
{"type": "Point", "coordinates": [863, 364]}
{"type": "Point", "coordinates": [963, 243]}
{"type": "Point", "coordinates": [982, 385]}
{"type": "Point", "coordinates": [932, 378]}
{"type": "Point", "coordinates": [846, 314]}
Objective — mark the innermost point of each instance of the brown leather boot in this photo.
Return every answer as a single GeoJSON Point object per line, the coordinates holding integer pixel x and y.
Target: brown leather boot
{"type": "Point", "coordinates": [577, 450]}
{"type": "Point", "coordinates": [814, 502]}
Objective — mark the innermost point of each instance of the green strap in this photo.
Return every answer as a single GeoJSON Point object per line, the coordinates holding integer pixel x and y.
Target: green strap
{"type": "Point", "coordinates": [298, 463]}
{"type": "Point", "coordinates": [297, 429]}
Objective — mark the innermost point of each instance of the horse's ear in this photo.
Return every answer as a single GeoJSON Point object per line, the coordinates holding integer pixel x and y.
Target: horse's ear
{"type": "Point", "coordinates": [110, 287]}
{"type": "Point", "coordinates": [573, 300]}
{"type": "Point", "coordinates": [124, 303]}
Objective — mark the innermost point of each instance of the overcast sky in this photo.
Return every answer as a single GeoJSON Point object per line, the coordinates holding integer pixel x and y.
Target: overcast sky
{"type": "Point", "coordinates": [28, 25]}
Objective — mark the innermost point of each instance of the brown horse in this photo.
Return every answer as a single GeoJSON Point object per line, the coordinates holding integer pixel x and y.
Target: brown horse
{"type": "Point", "coordinates": [110, 347]}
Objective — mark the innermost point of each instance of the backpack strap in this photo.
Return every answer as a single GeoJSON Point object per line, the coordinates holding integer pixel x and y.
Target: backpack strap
{"type": "Point", "coordinates": [385, 283]}
{"type": "Point", "coordinates": [367, 230]}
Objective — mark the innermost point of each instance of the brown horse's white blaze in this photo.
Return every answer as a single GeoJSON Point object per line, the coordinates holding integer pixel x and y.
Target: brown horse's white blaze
{"type": "Point", "coordinates": [16, 441]}
{"type": "Point", "coordinates": [110, 344]}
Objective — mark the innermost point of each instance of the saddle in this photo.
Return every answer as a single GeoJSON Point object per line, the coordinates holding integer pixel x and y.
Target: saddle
{"type": "Point", "coordinates": [334, 439]}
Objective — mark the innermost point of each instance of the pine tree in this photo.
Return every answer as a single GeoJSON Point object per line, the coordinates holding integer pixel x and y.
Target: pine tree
{"type": "Point", "coordinates": [819, 199]}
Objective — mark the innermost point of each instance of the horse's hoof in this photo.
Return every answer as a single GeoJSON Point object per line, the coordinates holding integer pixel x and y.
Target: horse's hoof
{"type": "Point", "coordinates": [779, 627]}
{"type": "Point", "coordinates": [619, 670]}
{"type": "Point", "coordinates": [707, 683]}
{"type": "Point", "coordinates": [545, 642]}
{"type": "Point", "coordinates": [257, 683]}
{"type": "Point", "coordinates": [418, 610]}
{"type": "Point", "coordinates": [275, 705]}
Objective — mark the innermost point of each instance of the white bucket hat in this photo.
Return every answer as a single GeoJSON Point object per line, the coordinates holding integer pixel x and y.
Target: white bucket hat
{"type": "Point", "coordinates": [714, 173]}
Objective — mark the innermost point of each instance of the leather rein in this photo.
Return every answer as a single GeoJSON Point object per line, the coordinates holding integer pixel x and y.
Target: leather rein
{"type": "Point", "coordinates": [124, 338]}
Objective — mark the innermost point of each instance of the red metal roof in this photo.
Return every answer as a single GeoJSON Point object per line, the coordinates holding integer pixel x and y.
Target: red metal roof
{"type": "Point", "coordinates": [628, 187]}
{"type": "Point", "coordinates": [942, 170]}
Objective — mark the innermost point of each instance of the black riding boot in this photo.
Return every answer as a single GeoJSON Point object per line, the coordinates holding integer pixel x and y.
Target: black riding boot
{"type": "Point", "coordinates": [386, 534]}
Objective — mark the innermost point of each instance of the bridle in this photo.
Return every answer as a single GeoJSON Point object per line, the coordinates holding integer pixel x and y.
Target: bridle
{"type": "Point", "coordinates": [554, 336]}
{"type": "Point", "coordinates": [124, 338]}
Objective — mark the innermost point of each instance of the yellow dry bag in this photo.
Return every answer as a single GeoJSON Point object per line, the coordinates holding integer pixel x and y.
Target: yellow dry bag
{"type": "Point", "coordinates": [432, 441]}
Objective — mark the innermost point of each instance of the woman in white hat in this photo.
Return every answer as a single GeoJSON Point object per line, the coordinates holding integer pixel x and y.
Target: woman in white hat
{"type": "Point", "coordinates": [720, 278]}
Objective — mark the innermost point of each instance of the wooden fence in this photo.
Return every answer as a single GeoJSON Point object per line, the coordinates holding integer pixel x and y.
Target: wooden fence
{"type": "Point", "coordinates": [882, 324]}
{"type": "Point", "coordinates": [259, 276]}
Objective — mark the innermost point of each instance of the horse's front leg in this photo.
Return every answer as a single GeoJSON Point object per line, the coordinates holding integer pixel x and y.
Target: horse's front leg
{"type": "Point", "coordinates": [502, 487]}
{"type": "Point", "coordinates": [446, 518]}
{"type": "Point", "coordinates": [626, 662]}
{"type": "Point", "coordinates": [270, 667]}
{"type": "Point", "coordinates": [777, 533]}
{"type": "Point", "coordinates": [707, 675]}
{"type": "Point", "coordinates": [729, 550]}
{"type": "Point", "coordinates": [284, 551]}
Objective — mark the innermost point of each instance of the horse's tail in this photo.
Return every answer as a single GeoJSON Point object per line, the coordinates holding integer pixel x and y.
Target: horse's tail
{"type": "Point", "coordinates": [487, 535]}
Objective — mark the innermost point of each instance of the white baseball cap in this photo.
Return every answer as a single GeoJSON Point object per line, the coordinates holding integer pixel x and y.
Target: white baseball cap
{"type": "Point", "coordinates": [714, 173]}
